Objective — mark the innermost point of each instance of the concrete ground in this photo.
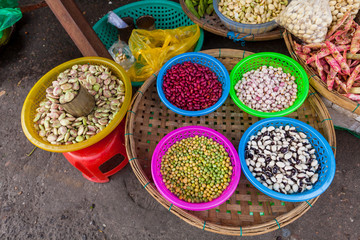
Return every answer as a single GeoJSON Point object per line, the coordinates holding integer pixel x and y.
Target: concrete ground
{"type": "Point", "coordinates": [44, 197]}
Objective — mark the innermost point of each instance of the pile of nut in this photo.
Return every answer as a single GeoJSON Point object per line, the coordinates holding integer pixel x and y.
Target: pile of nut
{"type": "Point", "coordinates": [282, 159]}
{"type": "Point", "coordinates": [267, 89]}
{"type": "Point", "coordinates": [252, 12]}
{"type": "Point", "coordinates": [307, 21]}
{"type": "Point", "coordinates": [57, 126]}
{"type": "Point", "coordinates": [340, 7]}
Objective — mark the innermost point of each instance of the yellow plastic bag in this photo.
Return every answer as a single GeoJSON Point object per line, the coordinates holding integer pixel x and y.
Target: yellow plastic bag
{"type": "Point", "coordinates": [152, 49]}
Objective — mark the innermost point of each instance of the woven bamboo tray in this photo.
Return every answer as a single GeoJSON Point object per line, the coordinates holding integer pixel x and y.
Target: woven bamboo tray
{"type": "Point", "coordinates": [317, 83]}
{"type": "Point", "coordinates": [213, 24]}
{"type": "Point", "coordinates": [248, 211]}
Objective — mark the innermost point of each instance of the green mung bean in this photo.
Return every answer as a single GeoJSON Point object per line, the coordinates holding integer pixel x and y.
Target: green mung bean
{"type": "Point", "coordinates": [196, 169]}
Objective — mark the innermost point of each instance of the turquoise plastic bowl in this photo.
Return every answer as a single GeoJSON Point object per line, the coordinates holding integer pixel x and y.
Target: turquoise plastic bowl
{"type": "Point", "coordinates": [167, 14]}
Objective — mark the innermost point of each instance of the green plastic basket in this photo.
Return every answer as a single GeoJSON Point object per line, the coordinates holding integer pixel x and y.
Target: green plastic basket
{"type": "Point", "coordinates": [167, 14]}
{"type": "Point", "coordinates": [288, 65]}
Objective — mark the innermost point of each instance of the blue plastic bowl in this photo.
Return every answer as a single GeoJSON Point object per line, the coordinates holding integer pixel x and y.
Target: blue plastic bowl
{"type": "Point", "coordinates": [323, 153]}
{"type": "Point", "coordinates": [204, 59]}
{"type": "Point", "coordinates": [243, 27]}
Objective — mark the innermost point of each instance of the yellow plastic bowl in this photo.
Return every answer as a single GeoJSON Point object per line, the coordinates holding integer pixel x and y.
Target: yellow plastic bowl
{"type": "Point", "coordinates": [38, 92]}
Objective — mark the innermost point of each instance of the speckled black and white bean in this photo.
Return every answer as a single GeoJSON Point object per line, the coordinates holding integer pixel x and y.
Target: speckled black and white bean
{"type": "Point", "coordinates": [282, 159]}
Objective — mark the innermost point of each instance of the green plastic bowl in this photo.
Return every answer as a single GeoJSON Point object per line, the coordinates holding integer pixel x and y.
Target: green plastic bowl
{"type": "Point", "coordinates": [288, 65]}
{"type": "Point", "coordinates": [167, 14]}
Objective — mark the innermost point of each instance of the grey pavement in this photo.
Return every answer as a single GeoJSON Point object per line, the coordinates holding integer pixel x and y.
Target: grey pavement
{"type": "Point", "coordinates": [44, 197]}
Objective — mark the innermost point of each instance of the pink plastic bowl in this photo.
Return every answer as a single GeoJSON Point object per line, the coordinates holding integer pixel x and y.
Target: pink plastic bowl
{"type": "Point", "coordinates": [186, 132]}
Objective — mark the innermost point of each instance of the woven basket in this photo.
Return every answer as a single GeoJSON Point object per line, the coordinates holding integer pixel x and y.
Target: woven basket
{"type": "Point", "coordinates": [38, 92]}
{"type": "Point", "coordinates": [248, 211]}
{"type": "Point", "coordinates": [276, 60]}
{"type": "Point", "coordinates": [190, 132]}
{"type": "Point", "coordinates": [213, 24]}
{"type": "Point", "coordinates": [317, 83]}
{"type": "Point", "coordinates": [205, 60]}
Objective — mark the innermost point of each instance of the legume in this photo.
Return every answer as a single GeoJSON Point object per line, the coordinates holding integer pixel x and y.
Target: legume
{"type": "Point", "coordinates": [267, 89]}
{"type": "Point", "coordinates": [282, 159]}
{"type": "Point", "coordinates": [196, 169]}
{"type": "Point", "coordinates": [57, 126]}
{"type": "Point", "coordinates": [191, 86]}
{"type": "Point", "coordinates": [250, 11]}
{"type": "Point", "coordinates": [340, 7]}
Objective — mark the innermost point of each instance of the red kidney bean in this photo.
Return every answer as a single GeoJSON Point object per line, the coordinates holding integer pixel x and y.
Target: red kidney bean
{"type": "Point", "coordinates": [191, 86]}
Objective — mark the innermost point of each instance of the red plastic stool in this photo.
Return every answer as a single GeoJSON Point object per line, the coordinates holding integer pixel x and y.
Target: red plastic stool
{"type": "Point", "coordinates": [97, 161]}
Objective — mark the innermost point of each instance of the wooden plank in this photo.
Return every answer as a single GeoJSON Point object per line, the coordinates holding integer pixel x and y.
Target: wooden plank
{"type": "Point", "coordinates": [32, 7]}
{"type": "Point", "coordinates": [75, 24]}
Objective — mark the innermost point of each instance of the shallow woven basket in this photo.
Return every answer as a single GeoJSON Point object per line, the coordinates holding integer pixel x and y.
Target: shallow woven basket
{"type": "Point", "coordinates": [213, 24]}
{"type": "Point", "coordinates": [316, 82]}
{"type": "Point", "coordinates": [248, 211]}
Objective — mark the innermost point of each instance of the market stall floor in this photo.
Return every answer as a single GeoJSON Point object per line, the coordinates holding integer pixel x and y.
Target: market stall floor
{"type": "Point", "coordinates": [42, 196]}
